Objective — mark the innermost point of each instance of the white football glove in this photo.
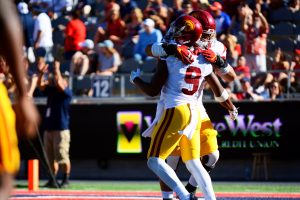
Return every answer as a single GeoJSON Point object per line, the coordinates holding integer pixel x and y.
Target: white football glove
{"type": "Point", "coordinates": [233, 113]}
{"type": "Point", "coordinates": [135, 74]}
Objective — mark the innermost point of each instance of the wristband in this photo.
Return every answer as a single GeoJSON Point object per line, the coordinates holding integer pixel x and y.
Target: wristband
{"type": "Point", "coordinates": [224, 96]}
{"type": "Point", "coordinates": [220, 62]}
{"type": "Point", "coordinates": [157, 50]}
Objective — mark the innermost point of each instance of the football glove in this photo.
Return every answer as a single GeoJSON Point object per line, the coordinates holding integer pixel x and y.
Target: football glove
{"type": "Point", "coordinates": [184, 54]}
{"type": "Point", "coordinates": [233, 113]}
{"type": "Point", "coordinates": [135, 74]}
{"type": "Point", "coordinates": [179, 51]}
{"type": "Point", "coordinates": [209, 55]}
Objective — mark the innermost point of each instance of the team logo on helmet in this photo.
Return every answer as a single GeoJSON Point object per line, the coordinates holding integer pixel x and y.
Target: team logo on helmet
{"type": "Point", "coordinates": [189, 25]}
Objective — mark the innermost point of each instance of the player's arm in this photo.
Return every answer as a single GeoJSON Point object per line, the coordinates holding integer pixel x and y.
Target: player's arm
{"type": "Point", "coordinates": [159, 78]}
{"type": "Point", "coordinates": [221, 95]}
{"type": "Point", "coordinates": [11, 48]}
{"type": "Point", "coordinates": [222, 68]}
{"type": "Point", "coordinates": [227, 75]}
{"type": "Point", "coordinates": [163, 49]}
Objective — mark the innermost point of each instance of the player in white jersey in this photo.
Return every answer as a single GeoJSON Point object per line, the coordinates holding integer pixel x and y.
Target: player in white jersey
{"type": "Point", "coordinates": [215, 52]}
{"type": "Point", "coordinates": [179, 122]}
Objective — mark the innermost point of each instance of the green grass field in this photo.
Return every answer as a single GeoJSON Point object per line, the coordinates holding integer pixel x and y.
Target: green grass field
{"type": "Point", "coordinates": [274, 187]}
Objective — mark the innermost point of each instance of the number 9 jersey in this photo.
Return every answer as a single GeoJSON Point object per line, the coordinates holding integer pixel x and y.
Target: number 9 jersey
{"type": "Point", "coordinates": [184, 81]}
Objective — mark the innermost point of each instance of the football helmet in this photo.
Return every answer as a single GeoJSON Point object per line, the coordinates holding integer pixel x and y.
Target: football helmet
{"type": "Point", "coordinates": [209, 27]}
{"type": "Point", "coordinates": [186, 30]}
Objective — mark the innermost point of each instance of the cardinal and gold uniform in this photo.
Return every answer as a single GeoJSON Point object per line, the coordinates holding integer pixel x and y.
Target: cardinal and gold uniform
{"type": "Point", "coordinates": [9, 152]}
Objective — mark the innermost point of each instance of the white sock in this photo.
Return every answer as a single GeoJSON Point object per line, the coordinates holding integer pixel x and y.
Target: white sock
{"type": "Point", "coordinates": [167, 194]}
{"type": "Point", "coordinates": [202, 178]}
{"type": "Point", "coordinates": [168, 176]}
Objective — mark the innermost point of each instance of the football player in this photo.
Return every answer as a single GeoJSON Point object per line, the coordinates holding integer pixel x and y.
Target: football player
{"type": "Point", "coordinates": [25, 116]}
{"type": "Point", "coordinates": [179, 85]}
{"type": "Point", "coordinates": [215, 52]}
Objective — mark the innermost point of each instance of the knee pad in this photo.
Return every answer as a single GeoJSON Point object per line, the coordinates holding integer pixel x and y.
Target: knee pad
{"type": "Point", "coordinates": [209, 161]}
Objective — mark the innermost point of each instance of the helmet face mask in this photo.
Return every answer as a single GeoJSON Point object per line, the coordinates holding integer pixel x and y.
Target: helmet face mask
{"type": "Point", "coordinates": [206, 40]}
{"type": "Point", "coordinates": [209, 27]}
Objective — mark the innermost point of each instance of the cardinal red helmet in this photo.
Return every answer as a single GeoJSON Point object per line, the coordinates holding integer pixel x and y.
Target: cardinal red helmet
{"type": "Point", "coordinates": [208, 23]}
{"type": "Point", "coordinates": [186, 30]}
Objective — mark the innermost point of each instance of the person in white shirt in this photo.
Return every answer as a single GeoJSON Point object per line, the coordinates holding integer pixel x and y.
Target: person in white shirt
{"type": "Point", "coordinates": [42, 34]}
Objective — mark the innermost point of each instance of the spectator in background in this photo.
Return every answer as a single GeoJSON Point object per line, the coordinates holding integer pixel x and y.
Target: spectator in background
{"type": "Point", "coordinates": [42, 34]}
{"type": "Point", "coordinates": [295, 64]}
{"type": "Point", "coordinates": [248, 92]}
{"type": "Point", "coordinates": [256, 29]}
{"type": "Point", "coordinates": [27, 22]}
{"type": "Point", "coordinates": [59, 25]}
{"type": "Point", "coordinates": [241, 69]}
{"type": "Point", "coordinates": [186, 7]}
{"type": "Point", "coordinates": [113, 29]}
{"type": "Point", "coordinates": [179, 7]}
{"type": "Point", "coordinates": [109, 59]}
{"type": "Point", "coordinates": [110, 5]}
{"type": "Point", "coordinates": [132, 28]}
{"type": "Point", "coordinates": [126, 7]}
{"type": "Point", "coordinates": [234, 49]}
{"type": "Point", "coordinates": [174, 11]}
{"type": "Point", "coordinates": [74, 34]}
{"type": "Point", "coordinates": [6, 77]}
{"type": "Point", "coordinates": [261, 83]}
{"type": "Point", "coordinates": [56, 123]}
{"type": "Point", "coordinates": [80, 63]}
{"type": "Point", "coordinates": [158, 7]}
{"type": "Point", "coordinates": [148, 35]}
{"type": "Point", "coordinates": [236, 21]}
{"type": "Point", "coordinates": [222, 19]}
{"type": "Point", "coordinates": [294, 5]}
{"type": "Point", "coordinates": [275, 91]}
{"type": "Point", "coordinates": [280, 64]}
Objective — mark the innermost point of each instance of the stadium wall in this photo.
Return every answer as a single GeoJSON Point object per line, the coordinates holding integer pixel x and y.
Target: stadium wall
{"type": "Point", "coordinates": [110, 135]}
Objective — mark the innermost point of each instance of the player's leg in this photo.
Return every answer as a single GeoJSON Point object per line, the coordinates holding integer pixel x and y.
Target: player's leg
{"type": "Point", "coordinates": [190, 153]}
{"type": "Point", "coordinates": [163, 141]}
{"type": "Point", "coordinates": [172, 161]}
{"type": "Point", "coordinates": [9, 152]}
{"type": "Point", "coordinates": [208, 151]}
{"type": "Point", "coordinates": [6, 185]}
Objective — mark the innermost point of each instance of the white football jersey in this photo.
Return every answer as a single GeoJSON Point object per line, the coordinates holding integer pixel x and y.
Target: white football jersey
{"type": "Point", "coordinates": [219, 49]}
{"type": "Point", "coordinates": [184, 81]}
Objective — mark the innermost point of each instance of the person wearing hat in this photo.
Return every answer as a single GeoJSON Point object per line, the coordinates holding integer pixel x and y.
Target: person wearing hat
{"type": "Point", "coordinates": [56, 122]}
{"type": "Point", "coordinates": [27, 22]}
{"type": "Point", "coordinates": [148, 35]}
{"type": "Point", "coordinates": [109, 59]}
{"type": "Point", "coordinates": [80, 62]}
{"type": "Point", "coordinates": [222, 19]}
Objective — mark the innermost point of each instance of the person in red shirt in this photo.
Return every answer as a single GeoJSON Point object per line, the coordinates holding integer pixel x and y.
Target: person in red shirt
{"type": "Point", "coordinates": [75, 33]}
{"type": "Point", "coordinates": [295, 65]}
{"type": "Point", "coordinates": [114, 29]}
{"type": "Point", "coordinates": [242, 70]}
{"type": "Point", "coordinates": [256, 29]}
